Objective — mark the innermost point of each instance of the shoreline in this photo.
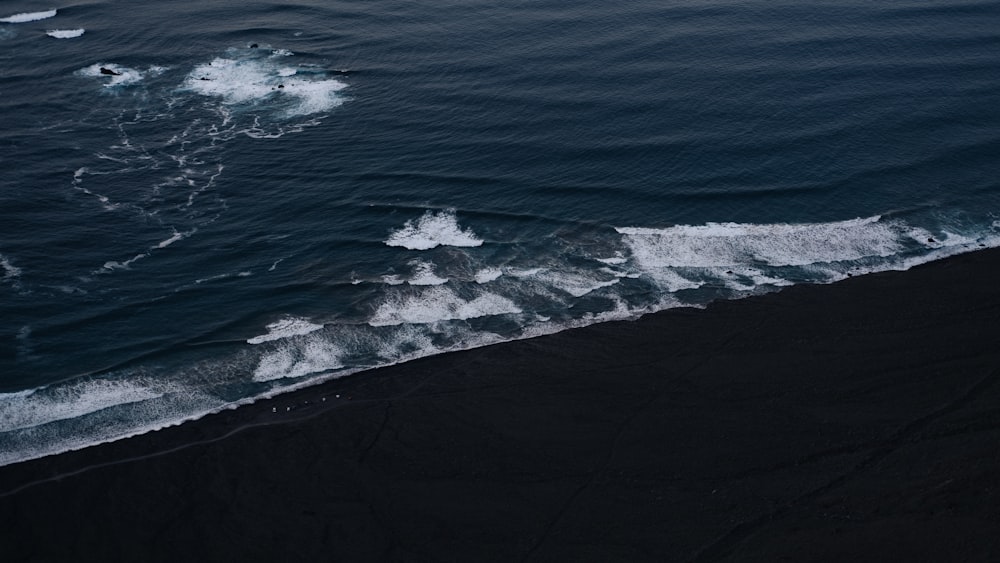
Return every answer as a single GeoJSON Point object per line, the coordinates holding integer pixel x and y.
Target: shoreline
{"type": "Point", "coordinates": [856, 420]}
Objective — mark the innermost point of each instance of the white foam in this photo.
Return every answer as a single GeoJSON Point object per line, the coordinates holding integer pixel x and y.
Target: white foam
{"type": "Point", "coordinates": [424, 275]}
{"type": "Point", "coordinates": [439, 304]}
{"type": "Point", "coordinates": [125, 76]}
{"type": "Point", "coordinates": [524, 272]}
{"type": "Point", "coordinates": [213, 278]}
{"type": "Point", "coordinates": [405, 343]}
{"type": "Point", "coordinates": [576, 284]}
{"type": "Point", "coordinates": [176, 236]}
{"type": "Point", "coordinates": [315, 356]}
{"type": "Point", "coordinates": [949, 239]}
{"type": "Point", "coordinates": [728, 244]}
{"type": "Point", "coordinates": [35, 407]}
{"type": "Point", "coordinates": [114, 422]}
{"type": "Point", "coordinates": [246, 81]}
{"type": "Point", "coordinates": [284, 328]}
{"type": "Point", "coordinates": [486, 275]}
{"type": "Point", "coordinates": [65, 33]}
{"type": "Point", "coordinates": [10, 271]}
{"type": "Point", "coordinates": [314, 96]}
{"type": "Point", "coordinates": [29, 17]}
{"type": "Point", "coordinates": [432, 230]}
{"type": "Point", "coordinates": [112, 265]}
{"type": "Point", "coordinates": [744, 279]}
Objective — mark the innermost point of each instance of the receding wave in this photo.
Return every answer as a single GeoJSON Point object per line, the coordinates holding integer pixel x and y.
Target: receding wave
{"type": "Point", "coordinates": [61, 402]}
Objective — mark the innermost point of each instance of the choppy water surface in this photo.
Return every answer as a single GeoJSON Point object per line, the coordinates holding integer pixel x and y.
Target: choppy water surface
{"type": "Point", "coordinates": [205, 203]}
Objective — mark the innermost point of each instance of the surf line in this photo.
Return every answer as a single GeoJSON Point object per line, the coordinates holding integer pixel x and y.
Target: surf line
{"type": "Point", "coordinates": [301, 415]}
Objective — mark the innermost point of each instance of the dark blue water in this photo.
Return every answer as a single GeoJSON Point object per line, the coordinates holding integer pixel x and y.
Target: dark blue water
{"type": "Point", "coordinates": [208, 222]}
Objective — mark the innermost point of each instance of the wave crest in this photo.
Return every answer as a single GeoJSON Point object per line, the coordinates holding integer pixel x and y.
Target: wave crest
{"type": "Point", "coordinates": [432, 230]}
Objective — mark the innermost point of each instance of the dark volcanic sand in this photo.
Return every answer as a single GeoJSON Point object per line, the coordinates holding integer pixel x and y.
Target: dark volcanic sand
{"type": "Point", "coordinates": [857, 421]}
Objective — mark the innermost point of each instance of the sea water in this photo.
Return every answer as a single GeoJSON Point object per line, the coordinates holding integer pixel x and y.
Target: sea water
{"type": "Point", "coordinates": [203, 203]}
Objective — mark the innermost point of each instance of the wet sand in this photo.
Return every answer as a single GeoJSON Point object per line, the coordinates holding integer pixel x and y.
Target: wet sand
{"type": "Point", "coordinates": [858, 421]}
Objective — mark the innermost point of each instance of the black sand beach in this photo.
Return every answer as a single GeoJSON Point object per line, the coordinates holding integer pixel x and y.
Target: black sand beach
{"type": "Point", "coordinates": [858, 421]}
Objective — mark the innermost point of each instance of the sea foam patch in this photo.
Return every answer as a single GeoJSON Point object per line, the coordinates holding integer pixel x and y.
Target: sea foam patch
{"type": "Point", "coordinates": [730, 244]}
{"type": "Point", "coordinates": [75, 415]}
{"type": "Point", "coordinates": [488, 274]}
{"type": "Point", "coordinates": [432, 230]}
{"type": "Point", "coordinates": [29, 17]}
{"type": "Point", "coordinates": [438, 303]}
{"type": "Point", "coordinates": [9, 270]}
{"type": "Point", "coordinates": [423, 274]}
{"type": "Point", "coordinates": [65, 33]}
{"type": "Point", "coordinates": [36, 407]}
{"type": "Point", "coordinates": [115, 74]}
{"type": "Point", "coordinates": [284, 328]}
{"type": "Point", "coordinates": [248, 79]}
{"type": "Point", "coordinates": [291, 361]}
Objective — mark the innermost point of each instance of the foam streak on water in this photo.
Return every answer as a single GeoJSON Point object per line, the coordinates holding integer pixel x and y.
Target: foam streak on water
{"type": "Point", "coordinates": [29, 17]}
{"type": "Point", "coordinates": [10, 271]}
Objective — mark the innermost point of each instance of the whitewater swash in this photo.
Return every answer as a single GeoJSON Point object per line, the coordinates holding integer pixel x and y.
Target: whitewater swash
{"type": "Point", "coordinates": [475, 306]}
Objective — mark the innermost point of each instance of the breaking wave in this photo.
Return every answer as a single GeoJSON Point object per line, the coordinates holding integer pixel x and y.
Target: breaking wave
{"type": "Point", "coordinates": [432, 230]}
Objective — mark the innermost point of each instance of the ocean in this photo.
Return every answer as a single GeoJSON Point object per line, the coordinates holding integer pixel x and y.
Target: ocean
{"type": "Point", "coordinates": [206, 203]}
